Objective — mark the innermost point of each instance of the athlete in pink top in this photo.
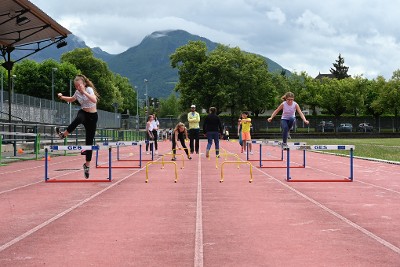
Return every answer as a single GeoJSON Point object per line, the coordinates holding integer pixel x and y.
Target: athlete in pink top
{"type": "Point", "coordinates": [289, 107]}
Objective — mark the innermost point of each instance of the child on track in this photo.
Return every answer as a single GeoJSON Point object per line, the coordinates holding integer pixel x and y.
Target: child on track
{"type": "Point", "coordinates": [180, 134]}
{"type": "Point", "coordinates": [245, 122]}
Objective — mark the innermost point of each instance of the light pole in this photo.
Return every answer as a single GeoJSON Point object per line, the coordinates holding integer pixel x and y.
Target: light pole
{"type": "Point", "coordinates": [12, 88]}
{"type": "Point", "coordinates": [137, 108]}
{"type": "Point", "coordinates": [52, 87]}
{"type": "Point", "coordinates": [147, 99]}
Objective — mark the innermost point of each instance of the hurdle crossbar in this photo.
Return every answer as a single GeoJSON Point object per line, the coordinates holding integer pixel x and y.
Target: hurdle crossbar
{"type": "Point", "coordinates": [321, 148]}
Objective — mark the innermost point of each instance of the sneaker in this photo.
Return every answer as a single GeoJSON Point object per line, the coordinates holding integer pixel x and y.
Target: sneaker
{"type": "Point", "coordinates": [284, 146]}
{"type": "Point", "coordinates": [173, 159]}
{"type": "Point", "coordinates": [86, 171]}
{"type": "Point", "coordinates": [189, 157]}
{"type": "Point", "coordinates": [147, 152]}
{"type": "Point", "coordinates": [156, 152]}
{"type": "Point", "coordinates": [207, 153]}
{"type": "Point", "coordinates": [217, 156]}
{"type": "Point", "coordinates": [59, 133]}
{"type": "Point", "coordinates": [251, 153]}
{"type": "Point", "coordinates": [83, 152]}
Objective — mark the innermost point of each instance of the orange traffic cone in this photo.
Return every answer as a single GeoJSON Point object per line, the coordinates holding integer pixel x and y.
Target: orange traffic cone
{"type": "Point", "coordinates": [20, 151]}
{"type": "Point", "coordinates": [48, 158]}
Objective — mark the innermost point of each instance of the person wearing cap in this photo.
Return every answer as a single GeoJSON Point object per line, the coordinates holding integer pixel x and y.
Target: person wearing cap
{"type": "Point", "coordinates": [194, 129]}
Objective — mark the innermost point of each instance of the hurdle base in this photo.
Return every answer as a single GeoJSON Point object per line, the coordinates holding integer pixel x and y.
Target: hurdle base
{"type": "Point", "coordinates": [77, 181]}
{"type": "Point", "coordinates": [346, 180]}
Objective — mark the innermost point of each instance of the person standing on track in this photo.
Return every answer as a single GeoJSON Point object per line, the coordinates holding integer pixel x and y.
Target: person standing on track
{"type": "Point", "coordinates": [156, 126]}
{"type": "Point", "coordinates": [179, 134]}
{"type": "Point", "coordinates": [245, 122]}
{"type": "Point", "coordinates": [289, 107]}
{"type": "Point", "coordinates": [212, 128]}
{"type": "Point", "coordinates": [194, 129]}
{"type": "Point", "coordinates": [87, 97]}
{"type": "Point", "coordinates": [149, 133]}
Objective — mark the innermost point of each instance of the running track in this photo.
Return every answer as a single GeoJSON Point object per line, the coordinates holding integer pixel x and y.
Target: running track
{"type": "Point", "coordinates": [199, 221]}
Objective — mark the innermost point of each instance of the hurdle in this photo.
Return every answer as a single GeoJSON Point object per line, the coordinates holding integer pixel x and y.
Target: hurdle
{"type": "Point", "coordinates": [261, 143]}
{"type": "Point", "coordinates": [158, 162]}
{"type": "Point", "coordinates": [170, 153]}
{"type": "Point", "coordinates": [135, 143]}
{"type": "Point", "coordinates": [126, 144]}
{"type": "Point", "coordinates": [71, 148]}
{"type": "Point", "coordinates": [277, 144]}
{"type": "Point", "coordinates": [225, 155]}
{"type": "Point", "coordinates": [236, 162]}
{"type": "Point", "coordinates": [321, 148]}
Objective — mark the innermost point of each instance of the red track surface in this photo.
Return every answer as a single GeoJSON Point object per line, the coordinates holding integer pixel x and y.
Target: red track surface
{"type": "Point", "coordinates": [199, 221]}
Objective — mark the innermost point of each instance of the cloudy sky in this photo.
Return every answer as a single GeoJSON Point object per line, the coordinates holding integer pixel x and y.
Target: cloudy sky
{"type": "Point", "coordinates": [305, 35]}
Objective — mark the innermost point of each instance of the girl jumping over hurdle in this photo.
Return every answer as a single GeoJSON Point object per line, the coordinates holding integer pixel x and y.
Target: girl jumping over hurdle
{"type": "Point", "coordinates": [87, 96]}
{"type": "Point", "coordinates": [179, 134]}
{"type": "Point", "coordinates": [289, 107]}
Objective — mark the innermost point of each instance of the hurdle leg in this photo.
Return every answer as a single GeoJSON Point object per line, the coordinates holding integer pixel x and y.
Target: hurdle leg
{"type": "Point", "coordinates": [45, 165]}
{"type": "Point", "coordinates": [287, 164]}
{"type": "Point", "coordinates": [109, 163]}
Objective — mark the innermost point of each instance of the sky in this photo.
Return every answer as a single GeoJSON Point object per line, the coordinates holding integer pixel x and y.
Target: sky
{"type": "Point", "coordinates": [305, 35]}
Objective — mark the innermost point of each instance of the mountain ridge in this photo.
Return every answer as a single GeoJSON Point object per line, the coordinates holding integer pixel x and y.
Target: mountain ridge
{"type": "Point", "coordinates": [148, 60]}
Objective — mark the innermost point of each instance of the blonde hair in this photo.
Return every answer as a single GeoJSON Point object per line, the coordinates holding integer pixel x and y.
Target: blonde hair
{"type": "Point", "coordinates": [87, 83]}
{"type": "Point", "coordinates": [287, 95]}
{"type": "Point", "coordinates": [180, 124]}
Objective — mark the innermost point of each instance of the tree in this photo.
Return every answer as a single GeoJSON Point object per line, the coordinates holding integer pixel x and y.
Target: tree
{"type": "Point", "coordinates": [35, 79]}
{"type": "Point", "coordinates": [98, 72]}
{"type": "Point", "coordinates": [340, 70]}
{"type": "Point", "coordinates": [224, 78]}
{"type": "Point", "coordinates": [169, 107]}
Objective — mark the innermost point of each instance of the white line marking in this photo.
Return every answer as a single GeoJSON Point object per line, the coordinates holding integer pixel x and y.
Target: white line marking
{"type": "Point", "coordinates": [198, 248]}
{"type": "Point", "coordinates": [40, 226]}
{"type": "Point", "coordinates": [337, 215]}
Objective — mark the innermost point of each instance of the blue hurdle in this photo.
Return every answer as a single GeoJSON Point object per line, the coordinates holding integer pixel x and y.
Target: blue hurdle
{"type": "Point", "coordinates": [125, 144]}
{"type": "Point", "coordinates": [278, 144]}
{"type": "Point", "coordinates": [321, 147]}
{"type": "Point", "coordinates": [71, 148]}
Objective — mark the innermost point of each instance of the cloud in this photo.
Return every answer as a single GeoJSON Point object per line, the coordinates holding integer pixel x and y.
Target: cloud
{"type": "Point", "coordinates": [299, 35]}
{"type": "Point", "coordinates": [276, 14]}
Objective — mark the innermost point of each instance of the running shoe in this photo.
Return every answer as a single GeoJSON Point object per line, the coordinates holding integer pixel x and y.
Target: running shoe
{"type": "Point", "coordinates": [189, 157]}
{"type": "Point", "coordinates": [173, 159]}
{"type": "Point", "coordinates": [59, 133]}
{"type": "Point", "coordinates": [86, 171]}
{"type": "Point", "coordinates": [207, 153]}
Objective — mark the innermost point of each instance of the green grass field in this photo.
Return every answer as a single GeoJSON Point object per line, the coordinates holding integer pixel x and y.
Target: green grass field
{"type": "Point", "coordinates": [385, 148]}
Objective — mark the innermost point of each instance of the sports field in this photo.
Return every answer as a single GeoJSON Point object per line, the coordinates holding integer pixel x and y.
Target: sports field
{"type": "Point", "coordinates": [198, 220]}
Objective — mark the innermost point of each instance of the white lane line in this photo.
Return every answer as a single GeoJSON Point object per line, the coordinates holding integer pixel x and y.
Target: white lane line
{"type": "Point", "coordinates": [40, 226]}
{"type": "Point", "coordinates": [198, 248]}
{"type": "Point", "coordinates": [335, 214]}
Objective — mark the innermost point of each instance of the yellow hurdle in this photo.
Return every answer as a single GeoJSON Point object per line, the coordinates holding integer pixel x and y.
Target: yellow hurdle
{"type": "Point", "coordinates": [171, 154]}
{"type": "Point", "coordinates": [236, 162]}
{"type": "Point", "coordinates": [225, 155]}
{"type": "Point", "coordinates": [158, 162]}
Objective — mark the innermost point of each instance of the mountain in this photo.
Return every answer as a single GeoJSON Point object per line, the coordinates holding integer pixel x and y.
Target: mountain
{"type": "Point", "coordinates": [148, 60]}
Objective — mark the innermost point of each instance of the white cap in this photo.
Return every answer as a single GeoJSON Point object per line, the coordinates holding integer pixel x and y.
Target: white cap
{"type": "Point", "coordinates": [193, 106]}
